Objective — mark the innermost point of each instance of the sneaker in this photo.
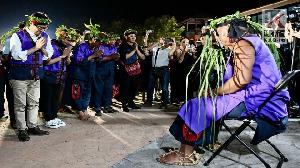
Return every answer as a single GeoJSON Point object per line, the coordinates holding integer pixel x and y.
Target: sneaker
{"type": "Point", "coordinates": [3, 118]}
{"type": "Point", "coordinates": [60, 122]}
{"type": "Point", "coordinates": [37, 131]}
{"type": "Point", "coordinates": [52, 124]}
{"type": "Point", "coordinates": [23, 135]}
{"type": "Point", "coordinates": [109, 109]}
{"type": "Point", "coordinates": [98, 112]}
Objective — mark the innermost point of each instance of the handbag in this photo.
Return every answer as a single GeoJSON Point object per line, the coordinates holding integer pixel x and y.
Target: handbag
{"type": "Point", "coordinates": [133, 69]}
{"type": "Point", "coordinates": [115, 90]}
{"type": "Point", "coordinates": [75, 91]}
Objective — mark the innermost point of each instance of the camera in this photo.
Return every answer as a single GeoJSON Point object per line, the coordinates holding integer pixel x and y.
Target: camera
{"type": "Point", "coordinates": [294, 17]}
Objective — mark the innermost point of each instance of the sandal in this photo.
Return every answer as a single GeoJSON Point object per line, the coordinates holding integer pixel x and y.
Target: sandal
{"type": "Point", "coordinates": [213, 147]}
{"type": "Point", "coordinates": [184, 160]}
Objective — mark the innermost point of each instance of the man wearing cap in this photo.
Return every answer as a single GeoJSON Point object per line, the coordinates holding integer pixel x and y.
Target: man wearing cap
{"type": "Point", "coordinates": [29, 48]}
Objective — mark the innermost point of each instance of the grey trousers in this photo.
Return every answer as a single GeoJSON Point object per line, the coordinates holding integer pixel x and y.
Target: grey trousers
{"type": "Point", "coordinates": [26, 92]}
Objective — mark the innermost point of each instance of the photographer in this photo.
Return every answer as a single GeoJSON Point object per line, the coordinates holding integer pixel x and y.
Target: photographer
{"type": "Point", "coordinates": [162, 52]}
{"type": "Point", "coordinates": [292, 55]}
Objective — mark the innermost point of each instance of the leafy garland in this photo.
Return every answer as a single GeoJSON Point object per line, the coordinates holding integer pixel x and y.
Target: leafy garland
{"type": "Point", "coordinates": [94, 29]}
{"type": "Point", "coordinates": [36, 20]}
{"type": "Point", "coordinates": [8, 34]}
{"type": "Point", "coordinates": [73, 35]}
{"type": "Point", "coordinates": [61, 32]}
{"type": "Point", "coordinates": [99, 35]}
{"type": "Point", "coordinates": [256, 27]}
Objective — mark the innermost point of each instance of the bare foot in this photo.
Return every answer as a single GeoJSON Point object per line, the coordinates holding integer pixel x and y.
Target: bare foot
{"type": "Point", "coordinates": [175, 157]}
{"type": "Point", "coordinates": [81, 115]}
{"type": "Point", "coordinates": [170, 158]}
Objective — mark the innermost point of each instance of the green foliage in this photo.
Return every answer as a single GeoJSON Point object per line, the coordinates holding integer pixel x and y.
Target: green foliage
{"type": "Point", "coordinates": [32, 18]}
{"type": "Point", "coordinates": [164, 26]}
{"type": "Point", "coordinates": [93, 28]}
{"type": "Point", "coordinates": [73, 35]}
{"type": "Point", "coordinates": [60, 31]}
{"type": "Point", "coordinates": [8, 34]}
{"type": "Point", "coordinates": [214, 23]}
{"type": "Point", "coordinates": [211, 59]}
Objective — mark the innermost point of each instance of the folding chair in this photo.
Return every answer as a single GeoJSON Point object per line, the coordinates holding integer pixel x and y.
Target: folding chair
{"type": "Point", "coordinates": [246, 123]}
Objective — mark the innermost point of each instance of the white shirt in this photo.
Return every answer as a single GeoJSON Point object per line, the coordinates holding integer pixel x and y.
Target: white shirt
{"type": "Point", "coordinates": [6, 48]}
{"type": "Point", "coordinates": [162, 57]}
{"type": "Point", "coordinates": [16, 47]}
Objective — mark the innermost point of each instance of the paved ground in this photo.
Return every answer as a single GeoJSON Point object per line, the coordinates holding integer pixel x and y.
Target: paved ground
{"type": "Point", "coordinates": [236, 156]}
{"type": "Point", "coordinates": [125, 140]}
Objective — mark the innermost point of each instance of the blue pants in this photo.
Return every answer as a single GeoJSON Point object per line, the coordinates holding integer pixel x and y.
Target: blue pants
{"type": "Point", "coordinates": [2, 90]}
{"type": "Point", "coordinates": [102, 85]}
{"type": "Point", "coordinates": [85, 94]}
{"type": "Point", "coordinates": [163, 74]}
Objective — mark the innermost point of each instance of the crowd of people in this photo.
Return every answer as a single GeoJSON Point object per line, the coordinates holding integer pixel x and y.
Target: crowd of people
{"type": "Point", "coordinates": [80, 69]}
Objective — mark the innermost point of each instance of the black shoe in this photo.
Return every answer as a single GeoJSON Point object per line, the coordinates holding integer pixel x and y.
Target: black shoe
{"type": "Point", "coordinates": [133, 106]}
{"type": "Point", "coordinates": [109, 109]}
{"type": "Point", "coordinates": [125, 109]}
{"type": "Point", "coordinates": [147, 104]}
{"type": "Point", "coordinates": [23, 136]}
{"type": "Point", "coordinates": [13, 125]}
{"type": "Point", "coordinates": [98, 112]}
{"type": "Point", "coordinates": [163, 106]}
{"type": "Point", "coordinates": [37, 131]}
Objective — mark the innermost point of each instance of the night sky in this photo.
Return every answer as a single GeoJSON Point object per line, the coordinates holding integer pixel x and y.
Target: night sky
{"type": "Point", "coordinates": [73, 14]}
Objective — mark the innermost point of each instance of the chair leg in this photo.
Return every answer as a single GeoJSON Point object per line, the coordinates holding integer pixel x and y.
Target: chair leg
{"type": "Point", "coordinates": [282, 157]}
{"type": "Point", "coordinates": [231, 138]}
{"type": "Point", "coordinates": [253, 152]}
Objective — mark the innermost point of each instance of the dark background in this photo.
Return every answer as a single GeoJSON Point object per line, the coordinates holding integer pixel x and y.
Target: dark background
{"type": "Point", "coordinates": [74, 14]}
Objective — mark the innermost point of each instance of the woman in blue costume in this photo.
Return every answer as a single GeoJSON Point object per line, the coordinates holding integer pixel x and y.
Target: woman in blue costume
{"type": "Point", "coordinates": [250, 76]}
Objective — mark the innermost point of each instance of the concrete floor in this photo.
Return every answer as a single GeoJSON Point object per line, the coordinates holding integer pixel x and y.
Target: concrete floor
{"type": "Point", "coordinates": [126, 140]}
{"type": "Point", "coordinates": [101, 142]}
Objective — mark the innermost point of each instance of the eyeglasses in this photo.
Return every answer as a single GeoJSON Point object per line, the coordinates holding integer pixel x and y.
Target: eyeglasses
{"type": "Point", "coordinates": [42, 28]}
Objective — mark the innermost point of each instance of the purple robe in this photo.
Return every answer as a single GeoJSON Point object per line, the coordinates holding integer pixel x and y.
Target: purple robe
{"type": "Point", "coordinates": [198, 114]}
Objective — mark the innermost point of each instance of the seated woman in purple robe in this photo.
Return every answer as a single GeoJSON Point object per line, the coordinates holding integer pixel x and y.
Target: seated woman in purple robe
{"type": "Point", "coordinates": [250, 76]}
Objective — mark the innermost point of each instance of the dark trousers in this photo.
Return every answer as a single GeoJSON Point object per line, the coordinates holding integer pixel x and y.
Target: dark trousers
{"type": "Point", "coordinates": [10, 98]}
{"type": "Point", "coordinates": [50, 99]}
{"type": "Point", "coordinates": [102, 85]}
{"type": "Point", "coordinates": [2, 90]}
{"type": "Point", "coordinates": [128, 88]}
{"type": "Point", "coordinates": [163, 74]}
{"type": "Point", "coordinates": [85, 94]}
{"type": "Point", "coordinates": [10, 102]}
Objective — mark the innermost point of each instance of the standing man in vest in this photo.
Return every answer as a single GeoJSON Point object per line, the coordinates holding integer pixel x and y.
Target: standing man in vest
{"type": "Point", "coordinates": [29, 48]}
